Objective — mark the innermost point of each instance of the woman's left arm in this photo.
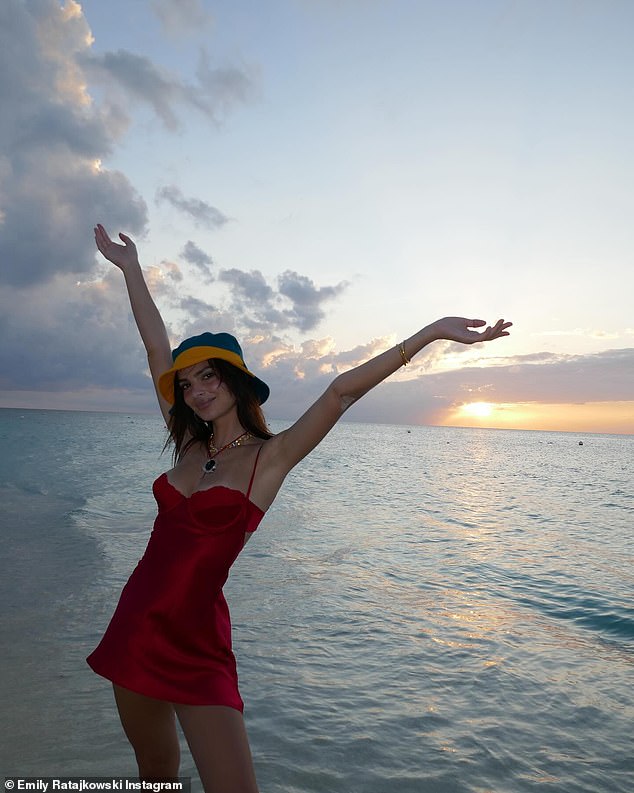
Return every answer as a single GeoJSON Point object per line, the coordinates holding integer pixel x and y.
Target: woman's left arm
{"type": "Point", "coordinates": [290, 446]}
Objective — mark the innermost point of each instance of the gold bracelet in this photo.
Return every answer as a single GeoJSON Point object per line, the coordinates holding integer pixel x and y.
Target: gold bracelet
{"type": "Point", "coordinates": [404, 358]}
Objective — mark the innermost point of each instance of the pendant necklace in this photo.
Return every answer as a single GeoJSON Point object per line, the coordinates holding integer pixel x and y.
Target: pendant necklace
{"type": "Point", "coordinates": [210, 464]}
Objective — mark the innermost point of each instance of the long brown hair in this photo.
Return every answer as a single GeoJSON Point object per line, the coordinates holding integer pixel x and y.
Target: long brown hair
{"type": "Point", "coordinates": [185, 422]}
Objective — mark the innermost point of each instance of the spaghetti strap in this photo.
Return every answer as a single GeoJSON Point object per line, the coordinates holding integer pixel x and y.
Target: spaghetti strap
{"type": "Point", "coordinates": [255, 465]}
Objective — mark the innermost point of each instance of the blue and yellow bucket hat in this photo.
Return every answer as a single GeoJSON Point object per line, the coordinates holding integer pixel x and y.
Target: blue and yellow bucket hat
{"type": "Point", "coordinates": [201, 348]}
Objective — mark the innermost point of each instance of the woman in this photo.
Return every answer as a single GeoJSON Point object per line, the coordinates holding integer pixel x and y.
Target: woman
{"type": "Point", "coordinates": [167, 649]}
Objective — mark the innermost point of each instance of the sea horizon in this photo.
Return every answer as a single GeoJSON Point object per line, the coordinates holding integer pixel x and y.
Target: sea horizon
{"type": "Point", "coordinates": [344, 420]}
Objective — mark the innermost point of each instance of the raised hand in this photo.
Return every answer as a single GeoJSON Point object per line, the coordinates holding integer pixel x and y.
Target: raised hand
{"type": "Point", "coordinates": [457, 329]}
{"type": "Point", "coordinates": [123, 256]}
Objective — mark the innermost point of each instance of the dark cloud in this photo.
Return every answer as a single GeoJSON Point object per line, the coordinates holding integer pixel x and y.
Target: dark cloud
{"type": "Point", "coordinates": [195, 308]}
{"type": "Point", "coordinates": [253, 301]}
{"type": "Point", "coordinates": [64, 329]}
{"type": "Point", "coordinates": [201, 260]}
{"type": "Point", "coordinates": [598, 377]}
{"type": "Point", "coordinates": [140, 78]}
{"type": "Point", "coordinates": [216, 91]}
{"type": "Point", "coordinates": [307, 299]}
{"type": "Point", "coordinates": [260, 307]}
{"type": "Point", "coordinates": [181, 16]}
{"type": "Point", "coordinates": [251, 287]}
{"type": "Point", "coordinates": [200, 316]}
{"type": "Point", "coordinates": [65, 339]}
{"type": "Point", "coordinates": [52, 188]}
{"type": "Point", "coordinates": [200, 211]}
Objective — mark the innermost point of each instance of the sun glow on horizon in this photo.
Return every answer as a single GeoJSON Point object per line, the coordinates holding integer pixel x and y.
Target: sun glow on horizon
{"type": "Point", "coordinates": [479, 410]}
{"type": "Point", "coordinates": [611, 417]}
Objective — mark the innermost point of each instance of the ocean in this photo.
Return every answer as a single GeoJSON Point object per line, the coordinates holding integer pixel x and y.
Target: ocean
{"type": "Point", "coordinates": [423, 609]}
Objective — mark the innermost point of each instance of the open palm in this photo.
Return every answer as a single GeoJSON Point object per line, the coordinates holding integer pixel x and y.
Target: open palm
{"type": "Point", "coordinates": [121, 255]}
{"type": "Point", "coordinates": [458, 329]}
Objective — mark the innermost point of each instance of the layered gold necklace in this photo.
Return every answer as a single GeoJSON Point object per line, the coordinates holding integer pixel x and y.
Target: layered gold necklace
{"type": "Point", "coordinates": [212, 452]}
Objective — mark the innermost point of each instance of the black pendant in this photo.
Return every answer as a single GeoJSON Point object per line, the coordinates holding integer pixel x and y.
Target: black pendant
{"type": "Point", "coordinates": [209, 466]}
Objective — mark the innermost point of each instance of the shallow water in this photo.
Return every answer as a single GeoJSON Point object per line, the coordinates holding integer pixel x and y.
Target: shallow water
{"type": "Point", "coordinates": [423, 609]}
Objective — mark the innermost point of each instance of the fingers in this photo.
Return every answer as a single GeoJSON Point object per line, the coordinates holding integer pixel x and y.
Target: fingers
{"type": "Point", "coordinates": [503, 328]}
{"type": "Point", "coordinates": [101, 236]}
{"type": "Point", "coordinates": [491, 331]}
{"type": "Point", "coordinates": [499, 329]}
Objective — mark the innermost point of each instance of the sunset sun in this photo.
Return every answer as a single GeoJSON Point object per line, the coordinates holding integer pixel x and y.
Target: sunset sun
{"type": "Point", "coordinates": [479, 410]}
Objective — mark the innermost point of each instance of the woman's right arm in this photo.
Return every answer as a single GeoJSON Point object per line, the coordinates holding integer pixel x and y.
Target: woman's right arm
{"type": "Point", "coordinates": [146, 314]}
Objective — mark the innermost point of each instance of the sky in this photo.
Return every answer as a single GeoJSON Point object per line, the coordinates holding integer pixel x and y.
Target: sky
{"type": "Point", "coordinates": [322, 178]}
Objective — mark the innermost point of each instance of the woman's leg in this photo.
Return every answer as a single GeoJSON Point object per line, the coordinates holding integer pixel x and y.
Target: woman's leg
{"type": "Point", "coordinates": [218, 742]}
{"type": "Point", "coordinates": [150, 726]}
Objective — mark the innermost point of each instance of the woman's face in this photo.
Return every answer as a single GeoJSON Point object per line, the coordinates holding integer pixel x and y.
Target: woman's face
{"type": "Point", "coordinates": [204, 392]}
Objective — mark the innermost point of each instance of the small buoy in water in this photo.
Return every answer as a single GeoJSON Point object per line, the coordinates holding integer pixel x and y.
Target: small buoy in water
{"type": "Point", "coordinates": [580, 443]}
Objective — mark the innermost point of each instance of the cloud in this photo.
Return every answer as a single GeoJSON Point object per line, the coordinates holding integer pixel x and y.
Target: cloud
{"type": "Point", "coordinates": [251, 287]}
{"type": "Point", "coordinates": [298, 375]}
{"type": "Point", "coordinates": [253, 301]}
{"type": "Point", "coordinates": [181, 16]}
{"type": "Point", "coordinates": [603, 376]}
{"type": "Point", "coordinates": [52, 138]}
{"type": "Point", "coordinates": [216, 91]}
{"type": "Point", "coordinates": [202, 213]}
{"type": "Point", "coordinates": [162, 281]}
{"type": "Point", "coordinates": [560, 379]}
{"type": "Point", "coordinates": [307, 299]}
{"type": "Point", "coordinates": [195, 308]}
{"type": "Point", "coordinates": [199, 316]}
{"type": "Point", "coordinates": [101, 350]}
{"type": "Point", "coordinates": [296, 379]}
{"type": "Point", "coordinates": [201, 260]}
{"type": "Point", "coordinates": [222, 86]}
{"type": "Point", "coordinates": [64, 328]}
{"type": "Point", "coordinates": [260, 307]}
{"type": "Point", "coordinates": [586, 332]}
{"type": "Point", "coordinates": [172, 270]}
{"type": "Point", "coordinates": [532, 357]}
{"type": "Point", "coordinates": [65, 340]}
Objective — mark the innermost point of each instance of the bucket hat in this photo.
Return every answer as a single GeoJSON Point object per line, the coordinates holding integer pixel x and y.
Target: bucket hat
{"type": "Point", "coordinates": [201, 348]}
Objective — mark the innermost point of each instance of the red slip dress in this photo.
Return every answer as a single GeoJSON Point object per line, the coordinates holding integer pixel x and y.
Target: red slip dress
{"type": "Point", "coordinates": [170, 635]}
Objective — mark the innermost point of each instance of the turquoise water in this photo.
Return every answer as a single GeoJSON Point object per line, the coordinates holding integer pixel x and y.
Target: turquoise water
{"type": "Point", "coordinates": [423, 609]}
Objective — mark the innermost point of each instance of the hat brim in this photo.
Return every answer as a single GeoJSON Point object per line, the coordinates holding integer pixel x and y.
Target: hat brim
{"type": "Point", "coordinates": [196, 355]}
